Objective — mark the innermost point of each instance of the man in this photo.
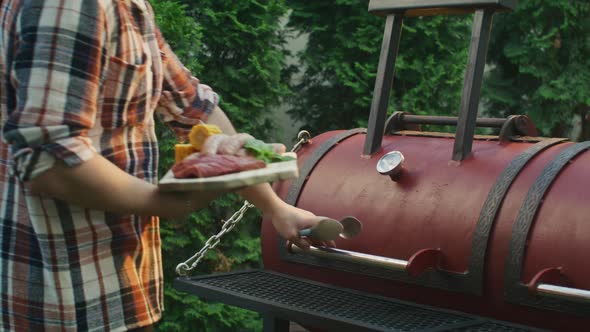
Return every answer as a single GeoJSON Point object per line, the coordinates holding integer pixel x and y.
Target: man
{"type": "Point", "coordinates": [79, 243]}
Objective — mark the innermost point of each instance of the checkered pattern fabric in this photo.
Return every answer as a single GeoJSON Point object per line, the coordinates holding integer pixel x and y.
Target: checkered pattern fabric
{"type": "Point", "coordinates": [79, 78]}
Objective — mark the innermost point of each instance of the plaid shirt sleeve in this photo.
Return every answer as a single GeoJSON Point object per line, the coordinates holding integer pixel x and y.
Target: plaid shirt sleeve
{"type": "Point", "coordinates": [184, 101]}
{"type": "Point", "coordinates": [58, 58]}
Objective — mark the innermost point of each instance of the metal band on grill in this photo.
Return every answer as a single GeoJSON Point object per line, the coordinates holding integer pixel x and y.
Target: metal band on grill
{"type": "Point", "coordinates": [297, 186]}
{"type": "Point", "coordinates": [471, 281]}
{"type": "Point", "coordinates": [489, 211]}
{"type": "Point", "coordinates": [310, 163]}
{"type": "Point", "coordinates": [515, 290]}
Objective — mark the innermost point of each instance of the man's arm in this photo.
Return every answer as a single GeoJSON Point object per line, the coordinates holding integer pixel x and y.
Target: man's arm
{"type": "Point", "coordinates": [99, 184]}
{"type": "Point", "coordinates": [55, 97]}
{"type": "Point", "coordinates": [262, 196]}
{"type": "Point", "coordinates": [286, 219]}
{"type": "Point", "coordinates": [186, 102]}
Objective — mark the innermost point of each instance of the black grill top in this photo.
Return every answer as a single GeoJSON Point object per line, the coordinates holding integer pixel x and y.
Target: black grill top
{"type": "Point", "coordinates": [325, 306]}
{"type": "Point", "coordinates": [437, 7]}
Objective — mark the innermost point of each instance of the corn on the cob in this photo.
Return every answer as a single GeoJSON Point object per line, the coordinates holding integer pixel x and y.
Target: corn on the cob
{"type": "Point", "coordinates": [199, 134]}
{"type": "Point", "coordinates": [182, 151]}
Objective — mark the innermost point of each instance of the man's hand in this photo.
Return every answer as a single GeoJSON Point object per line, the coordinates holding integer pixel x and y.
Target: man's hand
{"type": "Point", "coordinates": [99, 184]}
{"type": "Point", "coordinates": [289, 220]}
{"type": "Point", "coordinates": [286, 219]}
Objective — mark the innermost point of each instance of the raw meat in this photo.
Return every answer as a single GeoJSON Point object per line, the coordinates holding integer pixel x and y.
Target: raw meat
{"type": "Point", "coordinates": [279, 148]}
{"type": "Point", "coordinates": [242, 153]}
{"type": "Point", "coordinates": [207, 165]}
{"type": "Point", "coordinates": [232, 144]}
{"type": "Point", "coordinates": [212, 143]}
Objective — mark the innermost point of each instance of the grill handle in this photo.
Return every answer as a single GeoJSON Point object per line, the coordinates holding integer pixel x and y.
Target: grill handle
{"type": "Point", "coordinates": [415, 266]}
{"type": "Point", "coordinates": [395, 12]}
{"type": "Point", "coordinates": [514, 125]}
{"type": "Point", "coordinates": [545, 283]}
{"type": "Point", "coordinates": [436, 7]}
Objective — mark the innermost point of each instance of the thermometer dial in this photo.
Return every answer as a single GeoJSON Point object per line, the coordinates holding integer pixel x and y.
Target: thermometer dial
{"type": "Point", "coordinates": [391, 163]}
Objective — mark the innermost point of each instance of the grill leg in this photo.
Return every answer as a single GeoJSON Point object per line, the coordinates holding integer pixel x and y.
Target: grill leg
{"type": "Point", "coordinates": [272, 323]}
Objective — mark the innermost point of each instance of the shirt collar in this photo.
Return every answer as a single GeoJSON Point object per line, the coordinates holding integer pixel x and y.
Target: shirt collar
{"type": "Point", "coordinates": [140, 4]}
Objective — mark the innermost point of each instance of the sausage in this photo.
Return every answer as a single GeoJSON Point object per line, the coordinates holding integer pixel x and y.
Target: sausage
{"type": "Point", "coordinates": [242, 153]}
{"type": "Point", "coordinates": [279, 148]}
{"type": "Point", "coordinates": [232, 144]}
{"type": "Point", "coordinates": [212, 143]}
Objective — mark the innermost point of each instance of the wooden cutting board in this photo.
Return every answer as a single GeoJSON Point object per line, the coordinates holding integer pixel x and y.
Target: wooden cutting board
{"type": "Point", "coordinates": [272, 172]}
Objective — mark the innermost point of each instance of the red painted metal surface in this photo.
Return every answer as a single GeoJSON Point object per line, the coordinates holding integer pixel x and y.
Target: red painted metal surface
{"type": "Point", "coordinates": [436, 204]}
{"type": "Point", "coordinates": [423, 260]}
{"type": "Point", "coordinates": [549, 275]}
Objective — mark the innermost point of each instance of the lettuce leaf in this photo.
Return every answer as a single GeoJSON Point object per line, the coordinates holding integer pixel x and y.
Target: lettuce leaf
{"type": "Point", "coordinates": [263, 151]}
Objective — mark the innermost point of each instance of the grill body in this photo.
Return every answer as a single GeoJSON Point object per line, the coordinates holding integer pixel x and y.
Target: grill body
{"type": "Point", "coordinates": [492, 243]}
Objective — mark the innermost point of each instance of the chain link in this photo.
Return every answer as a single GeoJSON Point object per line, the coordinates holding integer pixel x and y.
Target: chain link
{"type": "Point", "coordinates": [302, 138]}
{"type": "Point", "coordinates": [185, 267]}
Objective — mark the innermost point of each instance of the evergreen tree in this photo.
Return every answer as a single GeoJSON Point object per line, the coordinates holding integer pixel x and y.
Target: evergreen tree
{"type": "Point", "coordinates": [340, 63]}
{"type": "Point", "coordinates": [237, 48]}
{"type": "Point", "coordinates": [539, 65]}
{"type": "Point", "coordinates": [540, 60]}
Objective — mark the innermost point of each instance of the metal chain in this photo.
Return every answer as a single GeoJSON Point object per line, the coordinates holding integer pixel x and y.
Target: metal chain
{"type": "Point", "coordinates": [185, 267]}
{"type": "Point", "coordinates": [302, 138]}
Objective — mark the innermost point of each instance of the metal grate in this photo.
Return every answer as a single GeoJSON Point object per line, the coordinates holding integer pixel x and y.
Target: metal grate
{"type": "Point", "coordinates": [268, 291]}
{"type": "Point", "coordinates": [491, 327]}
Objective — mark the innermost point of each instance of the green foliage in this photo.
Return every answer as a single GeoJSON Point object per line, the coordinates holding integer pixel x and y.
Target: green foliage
{"type": "Point", "coordinates": [539, 65]}
{"type": "Point", "coordinates": [182, 32]}
{"type": "Point", "coordinates": [236, 48]}
{"type": "Point", "coordinates": [243, 57]}
{"type": "Point", "coordinates": [264, 151]}
{"type": "Point", "coordinates": [340, 64]}
{"type": "Point", "coordinates": [239, 249]}
{"type": "Point", "coordinates": [540, 56]}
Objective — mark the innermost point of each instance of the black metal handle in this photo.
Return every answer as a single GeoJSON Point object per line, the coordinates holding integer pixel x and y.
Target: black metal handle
{"type": "Point", "coordinates": [400, 120]}
{"type": "Point", "coordinates": [415, 266]}
{"type": "Point", "coordinates": [514, 125]}
{"type": "Point", "coordinates": [467, 120]}
{"type": "Point", "coordinates": [437, 7]}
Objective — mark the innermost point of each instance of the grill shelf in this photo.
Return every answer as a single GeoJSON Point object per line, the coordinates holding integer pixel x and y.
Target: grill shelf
{"type": "Point", "coordinates": [324, 306]}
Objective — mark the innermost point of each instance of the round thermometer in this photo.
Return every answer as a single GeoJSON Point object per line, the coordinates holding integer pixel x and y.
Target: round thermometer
{"type": "Point", "coordinates": [391, 163]}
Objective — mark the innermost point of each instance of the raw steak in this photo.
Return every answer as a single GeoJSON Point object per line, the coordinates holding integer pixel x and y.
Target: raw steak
{"type": "Point", "coordinates": [202, 166]}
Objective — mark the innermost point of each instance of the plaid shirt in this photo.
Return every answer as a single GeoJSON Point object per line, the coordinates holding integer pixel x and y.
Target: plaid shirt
{"type": "Point", "coordinates": [81, 77]}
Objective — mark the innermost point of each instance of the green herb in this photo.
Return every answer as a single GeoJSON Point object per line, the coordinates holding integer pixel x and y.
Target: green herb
{"type": "Point", "coordinates": [264, 151]}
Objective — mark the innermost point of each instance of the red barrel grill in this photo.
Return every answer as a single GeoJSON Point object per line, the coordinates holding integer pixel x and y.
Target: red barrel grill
{"type": "Point", "coordinates": [498, 219]}
{"type": "Point", "coordinates": [491, 226]}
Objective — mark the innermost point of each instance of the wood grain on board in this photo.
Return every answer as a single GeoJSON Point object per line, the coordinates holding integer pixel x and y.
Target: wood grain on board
{"type": "Point", "coordinates": [272, 172]}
